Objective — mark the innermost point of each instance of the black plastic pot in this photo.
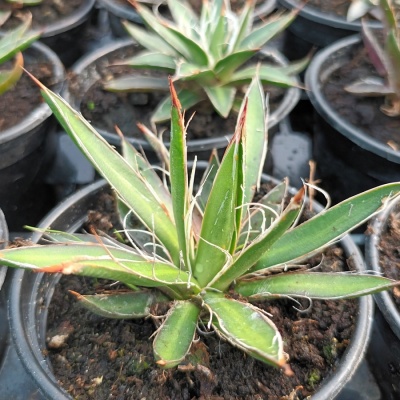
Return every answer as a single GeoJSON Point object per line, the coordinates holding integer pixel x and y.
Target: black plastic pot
{"type": "Point", "coordinates": [313, 28]}
{"type": "Point", "coordinates": [348, 160]}
{"type": "Point", "coordinates": [3, 243]}
{"type": "Point", "coordinates": [119, 10]}
{"type": "Point", "coordinates": [23, 147]}
{"type": "Point", "coordinates": [384, 350]}
{"type": "Point", "coordinates": [86, 72]}
{"type": "Point", "coordinates": [30, 293]}
{"type": "Point", "coordinates": [64, 37]}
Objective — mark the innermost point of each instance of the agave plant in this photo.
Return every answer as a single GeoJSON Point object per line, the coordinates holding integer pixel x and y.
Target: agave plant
{"type": "Point", "coordinates": [386, 60]}
{"type": "Point", "coordinates": [11, 45]}
{"type": "Point", "coordinates": [208, 255]}
{"type": "Point", "coordinates": [207, 54]}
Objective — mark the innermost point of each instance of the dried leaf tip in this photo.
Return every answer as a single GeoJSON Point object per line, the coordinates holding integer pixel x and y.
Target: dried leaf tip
{"type": "Point", "coordinates": [40, 84]}
{"type": "Point", "coordinates": [298, 197]}
{"type": "Point", "coordinates": [134, 3]}
{"type": "Point", "coordinates": [174, 97]}
{"type": "Point", "coordinates": [76, 294]}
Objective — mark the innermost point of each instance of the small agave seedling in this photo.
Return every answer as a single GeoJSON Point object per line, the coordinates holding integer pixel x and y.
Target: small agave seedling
{"type": "Point", "coordinates": [11, 44]}
{"type": "Point", "coordinates": [360, 8]}
{"type": "Point", "coordinates": [211, 254]}
{"type": "Point", "coordinates": [386, 61]}
{"type": "Point", "coordinates": [206, 54]}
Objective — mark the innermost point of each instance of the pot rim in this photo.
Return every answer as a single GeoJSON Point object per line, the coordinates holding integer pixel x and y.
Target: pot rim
{"type": "Point", "coordinates": [42, 112]}
{"type": "Point", "coordinates": [384, 300]}
{"type": "Point", "coordinates": [332, 20]}
{"type": "Point", "coordinates": [76, 18]}
{"type": "Point", "coordinates": [3, 241]}
{"type": "Point", "coordinates": [314, 85]}
{"type": "Point", "coordinates": [27, 341]}
{"type": "Point", "coordinates": [290, 99]}
{"type": "Point", "coordinates": [127, 11]}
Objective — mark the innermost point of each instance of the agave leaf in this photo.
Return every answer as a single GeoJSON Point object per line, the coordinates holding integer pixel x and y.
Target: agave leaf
{"type": "Point", "coordinates": [183, 14]}
{"type": "Point", "coordinates": [210, 14]}
{"type": "Point", "coordinates": [143, 168]}
{"type": "Point", "coordinates": [181, 320]}
{"type": "Point", "coordinates": [255, 145]}
{"type": "Point", "coordinates": [370, 85]}
{"type": "Point", "coordinates": [17, 40]}
{"type": "Point", "coordinates": [219, 221]}
{"type": "Point", "coordinates": [25, 2]}
{"type": "Point", "coordinates": [99, 261]}
{"type": "Point", "coordinates": [327, 226]}
{"type": "Point", "coordinates": [252, 253]}
{"type": "Point", "coordinates": [267, 74]}
{"type": "Point", "coordinates": [124, 305]}
{"type": "Point", "coordinates": [389, 15]}
{"type": "Point", "coordinates": [221, 98]}
{"type": "Point", "coordinates": [55, 236]}
{"type": "Point", "coordinates": [226, 66]}
{"type": "Point", "coordinates": [187, 71]}
{"type": "Point", "coordinates": [266, 31]}
{"type": "Point", "coordinates": [314, 285]}
{"type": "Point", "coordinates": [4, 15]}
{"type": "Point", "coordinates": [217, 41]}
{"type": "Point", "coordinates": [178, 175]}
{"type": "Point", "coordinates": [152, 60]}
{"type": "Point", "coordinates": [148, 40]}
{"type": "Point", "coordinates": [246, 327]}
{"type": "Point", "coordinates": [243, 26]}
{"type": "Point", "coordinates": [10, 77]}
{"type": "Point", "coordinates": [393, 48]}
{"type": "Point", "coordinates": [295, 67]}
{"type": "Point", "coordinates": [261, 218]}
{"type": "Point", "coordinates": [137, 84]}
{"type": "Point", "coordinates": [187, 98]}
{"type": "Point", "coordinates": [127, 183]}
{"type": "Point", "coordinates": [357, 9]}
{"type": "Point", "coordinates": [208, 179]}
{"type": "Point", "coordinates": [176, 39]}
{"type": "Point", "coordinates": [374, 50]}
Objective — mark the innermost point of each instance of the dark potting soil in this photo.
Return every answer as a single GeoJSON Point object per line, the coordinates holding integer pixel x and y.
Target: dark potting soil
{"type": "Point", "coordinates": [101, 358]}
{"type": "Point", "coordinates": [389, 255]}
{"type": "Point", "coordinates": [24, 97]}
{"type": "Point", "coordinates": [360, 111]}
{"type": "Point", "coordinates": [336, 7]}
{"type": "Point", "coordinates": [45, 13]}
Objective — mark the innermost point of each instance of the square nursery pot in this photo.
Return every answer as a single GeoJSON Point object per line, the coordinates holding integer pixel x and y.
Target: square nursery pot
{"type": "Point", "coordinates": [29, 295]}
{"type": "Point", "coordinates": [315, 29]}
{"type": "Point", "coordinates": [95, 67]}
{"type": "Point", "coordinates": [119, 10]}
{"type": "Point", "coordinates": [25, 147]}
{"type": "Point", "coordinates": [349, 158]}
{"type": "Point", "coordinates": [63, 34]}
{"type": "Point", "coordinates": [382, 256]}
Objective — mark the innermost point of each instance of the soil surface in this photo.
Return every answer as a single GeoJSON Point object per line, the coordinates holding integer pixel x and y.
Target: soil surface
{"type": "Point", "coordinates": [363, 112]}
{"type": "Point", "coordinates": [337, 7]}
{"type": "Point", "coordinates": [389, 254]}
{"type": "Point", "coordinates": [101, 358]}
{"type": "Point", "coordinates": [24, 97]}
{"type": "Point", "coordinates": [43, 14]}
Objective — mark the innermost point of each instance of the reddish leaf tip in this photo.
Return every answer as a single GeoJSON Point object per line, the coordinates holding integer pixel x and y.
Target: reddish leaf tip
{"type": "Point", "coordinates": [174, 97]}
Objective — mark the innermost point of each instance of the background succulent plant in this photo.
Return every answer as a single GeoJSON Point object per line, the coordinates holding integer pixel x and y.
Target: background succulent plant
{"type": "Point", "coordinates": [386, 60]}
{"type": "Point", "coordinates": [208, 254]}
{"type": "Point", "coordinates": [11, 45]}
{"type": "Point", "coordinates": [211, 55]}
